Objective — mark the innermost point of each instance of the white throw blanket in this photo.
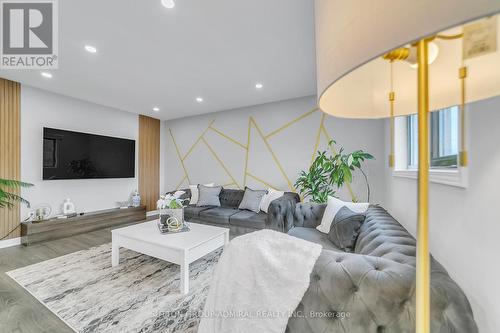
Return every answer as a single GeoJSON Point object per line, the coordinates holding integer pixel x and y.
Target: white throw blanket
{"type": "Point", "coordinates": [258, 282]}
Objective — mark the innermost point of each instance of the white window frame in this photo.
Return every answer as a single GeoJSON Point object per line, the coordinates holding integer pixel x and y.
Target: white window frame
{"type": "Point", "coordinates": [457, 177]}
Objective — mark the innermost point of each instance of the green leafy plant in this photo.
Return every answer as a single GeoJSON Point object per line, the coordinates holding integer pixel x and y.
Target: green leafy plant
{"type": "Point", "coordinates": [170, 201]}
{"type": "Point", "coordinates": [8, 199]}
{"type": "Point", "coordinates": [315, 183]}
{"type": "Point", "coordinates": [328, 172]}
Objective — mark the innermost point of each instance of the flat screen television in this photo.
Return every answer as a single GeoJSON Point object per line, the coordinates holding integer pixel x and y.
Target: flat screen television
{"type": "Point", "coordinates": [74, 155]}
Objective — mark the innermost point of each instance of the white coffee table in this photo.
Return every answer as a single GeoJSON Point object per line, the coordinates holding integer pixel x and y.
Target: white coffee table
{"type": "Point", "coordinates": [181, 248]}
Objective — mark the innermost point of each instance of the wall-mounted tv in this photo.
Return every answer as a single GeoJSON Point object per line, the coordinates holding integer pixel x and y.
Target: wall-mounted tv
{"type": "Point", "coordinates": [74, 155]}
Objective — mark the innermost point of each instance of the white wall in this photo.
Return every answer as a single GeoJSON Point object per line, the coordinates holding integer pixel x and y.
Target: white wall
{"type": "Point", "coordinates": [464, 223]}
{"type": "Point", "coordinates": [43, 109]}
{"type": "Point", "coordinates": [293, 147]}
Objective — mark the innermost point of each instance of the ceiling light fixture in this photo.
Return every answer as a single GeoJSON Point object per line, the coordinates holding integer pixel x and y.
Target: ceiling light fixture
{"type": "Point", "coordinates": [199, 99]}
{"type": "Point", "coordinates": [90, 49]}
{"type": "Point", "coordinates": [259, 85]}
{"type": "Point", "coordinates": [47, 75]}
{"type": "Point", "coordinates": [168, 3]}
{"type": "Point", "coordinates": [156, 109]}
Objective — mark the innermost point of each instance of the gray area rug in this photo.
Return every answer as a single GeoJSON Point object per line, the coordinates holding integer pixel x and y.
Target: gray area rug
{"type": "Point", "coordinates": [139, 295]}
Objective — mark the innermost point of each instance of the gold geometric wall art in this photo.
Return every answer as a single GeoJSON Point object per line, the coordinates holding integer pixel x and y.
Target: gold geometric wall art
{"type": "Point", "coordinates": [254, 134]}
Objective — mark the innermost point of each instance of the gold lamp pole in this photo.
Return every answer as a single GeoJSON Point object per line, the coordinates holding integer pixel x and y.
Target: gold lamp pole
{"type": "Point", "coordinates": [423, 260]}
{"type": "Point", "coordinates": [423, 257]}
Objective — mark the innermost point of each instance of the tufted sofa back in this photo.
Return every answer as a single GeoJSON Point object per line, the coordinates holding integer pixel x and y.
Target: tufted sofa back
{"type": "Point", "coordinates": [382, 236]}
{"type": "Point", "coordinates": [231, 198]}
{"type": "Point", "coordinates": [307, 215]}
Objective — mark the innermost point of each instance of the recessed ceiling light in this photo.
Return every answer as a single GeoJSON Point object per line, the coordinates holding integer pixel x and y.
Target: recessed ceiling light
{"type": "Point", "coordinates": [199, 99]}
{"type": "Point", "coordinates": [168, 3]}
{"type": "Point", "coordinates": [47, 75]}
{"type": "Point", "coordinates": [90, 49]}
{"type": "Point", "coordinates": [156, 109]}
{"type": "Point", "coordinates": [259, 85]}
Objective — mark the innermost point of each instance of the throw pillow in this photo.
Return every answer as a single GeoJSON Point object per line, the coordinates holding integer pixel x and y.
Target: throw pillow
{"type": "Point", "coordinates": [271, 195]}
{"type": "Point", "coordinates": [208, 195]}
{"type": "Point", "coordinates": [251, 199]}
{"type": "Point", "coordinates": [345, 228]}
{"type": "Point", "coordinates": [333, 206]}
{"type": "Point", "coordinates": [194, 193]}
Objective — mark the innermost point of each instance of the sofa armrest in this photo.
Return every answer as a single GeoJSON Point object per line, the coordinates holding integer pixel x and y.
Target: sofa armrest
{"type": "Point", "coordinates": [281, 210]}
{"type": "Point", "coordinates": [373, 294]}
{"type": "Point", "coordinates": [307, 215]}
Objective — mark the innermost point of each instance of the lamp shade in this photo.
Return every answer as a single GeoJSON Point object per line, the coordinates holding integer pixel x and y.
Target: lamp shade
{"type": "Point", "coordinates": [351, 37]}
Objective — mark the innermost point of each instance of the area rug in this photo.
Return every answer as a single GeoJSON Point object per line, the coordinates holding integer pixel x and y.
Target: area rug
{"type": "Point", "coordinates": [139, 295]}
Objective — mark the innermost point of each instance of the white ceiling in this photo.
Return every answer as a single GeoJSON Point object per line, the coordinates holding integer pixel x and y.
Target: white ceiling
{"type": "Point", "coordinates": [152, 56]}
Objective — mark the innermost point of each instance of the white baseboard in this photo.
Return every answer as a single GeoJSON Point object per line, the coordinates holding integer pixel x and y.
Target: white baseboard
{"type": "Point", "coordinates": [10, 242]}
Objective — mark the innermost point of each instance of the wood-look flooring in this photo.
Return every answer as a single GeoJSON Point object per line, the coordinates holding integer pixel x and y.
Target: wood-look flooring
{"type": "Point", "coordinates": [19, 311]}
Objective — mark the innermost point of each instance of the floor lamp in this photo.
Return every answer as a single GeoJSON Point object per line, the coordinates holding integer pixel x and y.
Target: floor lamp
{"type": "Point", "coordinates": [349, 34]}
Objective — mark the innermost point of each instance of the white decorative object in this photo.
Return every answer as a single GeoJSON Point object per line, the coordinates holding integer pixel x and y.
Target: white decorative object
{"type": "Point", "coordinates": [195, 193]}
{"type": "Point", "coordinates": [269, 197]}
{"type": "Point", "coordinates": [136, 199]}
{"type": "Point", "coordinates": [245, 285]}
{"type": "Point", "coordinates": [180, 248]}
{"type": "Point", "coordinates": [171, 210]}
{"type": "Point", "coordinates": [68, 207]}
{"type": "Point", "coordinates": [41, 212]}
{"type": "Point", "coordinates": [172, 218]}
{"type": "Point", "coordinates": [332, 208]}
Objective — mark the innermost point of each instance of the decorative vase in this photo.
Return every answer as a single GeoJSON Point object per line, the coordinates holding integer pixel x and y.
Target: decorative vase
{"type": "Point", "coordinates": [136, 199]}
{"type": "Point", "coordinates": [168, 215]}
{"type": "Point", "coordinates": [68, 207]}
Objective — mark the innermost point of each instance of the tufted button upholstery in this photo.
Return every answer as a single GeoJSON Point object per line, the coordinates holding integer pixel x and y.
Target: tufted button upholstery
{"type": "Point", "coordinates": [230, 198]}
{"type": "Point", "coordinates": [281, 210]}
{"type": "Point", "coordinates": [306, 215]}
{"type": "Point", "coordinates": [375, 285]}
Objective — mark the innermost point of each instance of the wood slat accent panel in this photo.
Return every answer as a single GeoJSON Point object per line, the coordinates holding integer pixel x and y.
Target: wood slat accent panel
{"type": "Point", "coordinates": [10, 151]}
{"type": "Point", "coordinates": [149, 161]}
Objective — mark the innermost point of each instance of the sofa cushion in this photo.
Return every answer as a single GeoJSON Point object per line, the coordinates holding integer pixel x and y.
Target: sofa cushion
{"type": "Point", "coordinates": [246, 218]}
{"type": "Point", "coordinates": [231, 197]}
{"type": "Point", "coordinates": [194, 211]}
{"type": "Point", "coordinates": [208, 195]}
{"type": "Point", "coordinates": [333, 207]}
{"type": "Point", "coordinates": [219, 215]}
{"type": "Point", "coordinates": [315, 236]}
{"type": "Point", "coordinates": [345, 228]}
{"type": "Point", "coordinates": [269, 197]}
{"type": "Point", "coordinates": [251, 199]}
{"type": "Point", "coordinates": [193, 190]}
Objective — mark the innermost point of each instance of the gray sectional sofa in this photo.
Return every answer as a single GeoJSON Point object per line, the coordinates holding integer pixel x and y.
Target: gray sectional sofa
{"type": "Point", "coordinates": [242, 221]}
{"type": "Point", "coordinates": [372, 289]}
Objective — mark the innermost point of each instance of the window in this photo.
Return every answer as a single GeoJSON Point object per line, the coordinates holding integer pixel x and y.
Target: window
{"type": "Point", "coordinates": [443, 139]}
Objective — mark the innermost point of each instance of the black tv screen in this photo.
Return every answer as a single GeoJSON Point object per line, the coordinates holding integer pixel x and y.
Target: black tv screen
{"type": "Point", "coordinates": [74, 155]}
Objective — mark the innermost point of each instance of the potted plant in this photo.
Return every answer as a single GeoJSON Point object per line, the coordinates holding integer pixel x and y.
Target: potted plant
{"type": "Point", "coordinates": [9, 199]}
{"type": "Point", "coordinates": [328, 172]}
{"type": "Point", "coordinates": [171, 210]}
